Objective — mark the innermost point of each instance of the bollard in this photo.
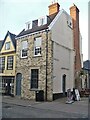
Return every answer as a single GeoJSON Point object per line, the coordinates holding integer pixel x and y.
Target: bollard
{"type": "Point", "coordinates": [89, 107]}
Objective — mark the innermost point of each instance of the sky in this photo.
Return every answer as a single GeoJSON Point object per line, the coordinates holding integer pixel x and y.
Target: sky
{"type": "Point", "coordinates": [15, 13]}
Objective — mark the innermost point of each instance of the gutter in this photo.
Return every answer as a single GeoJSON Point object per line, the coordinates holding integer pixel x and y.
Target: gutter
{"type": "Point", "coordinates": [29, 34]}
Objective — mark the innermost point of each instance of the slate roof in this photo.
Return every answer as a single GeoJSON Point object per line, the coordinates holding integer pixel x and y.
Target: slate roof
{"type": "Point", "coordinates": [12, 36]}
{"type": "Point", "coordinates": [36, 28]}
{"type": "Point", "coordinates": [86, 64]}
{"type": "Point", "coordinates": [1, 44]}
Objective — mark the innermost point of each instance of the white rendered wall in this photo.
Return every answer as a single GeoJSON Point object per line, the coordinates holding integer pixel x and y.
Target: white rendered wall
{"type": "Point", "coordinates": [63, 56]}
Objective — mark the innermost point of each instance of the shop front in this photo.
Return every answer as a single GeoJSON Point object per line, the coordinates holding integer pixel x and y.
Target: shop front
{"type": "Point", "coordinates": [8, 85]}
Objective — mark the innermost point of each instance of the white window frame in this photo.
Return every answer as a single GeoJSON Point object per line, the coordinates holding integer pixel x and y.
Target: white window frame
{"type": "Point", "coordinates": [29, 25]}
{"type": "Point", "coordinates": [38, 47]}
{"type": "Point", "coordinates": [42, 21]}
{"type": "Point", "coordinates": [24, 49]}
{"type": "Point", "coordinates": [23, 56]}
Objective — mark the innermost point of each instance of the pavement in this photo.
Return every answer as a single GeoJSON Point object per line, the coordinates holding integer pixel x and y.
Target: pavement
{"type": "Point", "coordinates": [78, 107]}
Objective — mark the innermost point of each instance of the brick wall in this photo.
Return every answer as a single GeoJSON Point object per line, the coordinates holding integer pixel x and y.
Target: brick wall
{"type": "Point", "coordinates": [74, 12]}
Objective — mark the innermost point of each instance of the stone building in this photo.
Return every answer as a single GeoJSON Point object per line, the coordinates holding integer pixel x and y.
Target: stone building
{"type": "Point", "coordinates": [45, 55]}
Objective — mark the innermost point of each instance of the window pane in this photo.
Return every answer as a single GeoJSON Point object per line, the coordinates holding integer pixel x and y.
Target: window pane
{"type": "Point", "coordinates": [37, 46]}
{"type": "Point", "coordinates": [7, 45]}
{"type": "Point", "coordinates": [10, 62]}
{"type": "Point", "coordinates": [2, 63]}
{"type": "Point", "coordinates": [24, 53]}
{"type": "Point", "coordinates": [24, 48]}
{"type": "Point", "coordinates": [37, 51]}
{"type": "Point", "coordinates": [24, 44]}
{"type": "Point", "coordinates": [34, 78]}
{"type": "Point", "coordinates": [38, 42]}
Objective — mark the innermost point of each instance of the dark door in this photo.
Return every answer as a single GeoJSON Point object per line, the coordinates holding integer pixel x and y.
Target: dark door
{"type": "Point", "coordinates": [8, 87]}
{"type": "Point", "coordinates": [18, 83]}
{"type": "Point", "coordinates": [64, 84]}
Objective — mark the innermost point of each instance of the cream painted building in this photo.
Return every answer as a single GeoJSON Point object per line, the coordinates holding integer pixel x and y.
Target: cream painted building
{"type": "Point", "coordinates": [45, 56]}
{"type": "Point", "coordinates": [63, 52]}
{"type": "Point", "coordinates": [7, 63]}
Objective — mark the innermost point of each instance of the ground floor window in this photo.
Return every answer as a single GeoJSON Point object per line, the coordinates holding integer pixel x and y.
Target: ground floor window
{"type": "Point", "coordinates": [8, 85]}
{"type": "Point", "coordinates": [34, 78]}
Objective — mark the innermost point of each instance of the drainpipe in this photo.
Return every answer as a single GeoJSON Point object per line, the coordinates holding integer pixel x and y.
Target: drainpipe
{"type": "Point", "coordinates": [46, 63]}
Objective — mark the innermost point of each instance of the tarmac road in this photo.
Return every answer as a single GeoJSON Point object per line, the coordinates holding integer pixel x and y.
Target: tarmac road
{"type": "Point", "coordinates": [32, 109]}
{"type": "Point", "coordinates": [15, 111]}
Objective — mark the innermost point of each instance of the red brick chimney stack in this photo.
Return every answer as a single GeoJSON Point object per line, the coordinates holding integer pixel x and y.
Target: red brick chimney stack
{"type": "Point", "coordinates": [74, 12]}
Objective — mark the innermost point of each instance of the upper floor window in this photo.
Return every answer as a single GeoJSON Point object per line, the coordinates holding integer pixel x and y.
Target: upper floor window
{"type": "Point", "coordinates": [24, 46]}
{"type": "Point", "coordinates": [7, 46]}
{"type": "Point", "coordinates": [37, 46]}
{"type": "Point", "coordinates": [10, 62]}
{"type": "Point", "coordinates": [2, 63]}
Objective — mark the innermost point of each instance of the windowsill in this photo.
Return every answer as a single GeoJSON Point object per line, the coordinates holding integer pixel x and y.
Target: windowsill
{"type": "Point", "coordinates": [37, 56]}
{"type": "Point", "coordinates": [24, 57]}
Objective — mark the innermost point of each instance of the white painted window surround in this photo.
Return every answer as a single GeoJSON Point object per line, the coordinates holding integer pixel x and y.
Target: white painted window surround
{"type": "Point", "coordinates": [37, 46]}
{"type": "Point", "coordinates": [24, 46]}
{"type": "Point", "coordinates": [28, 25]}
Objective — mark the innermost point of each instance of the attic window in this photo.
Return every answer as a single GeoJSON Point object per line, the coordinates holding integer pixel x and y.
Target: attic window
{"type": "Point", "coordinates": [28, 25]}
{"type": "Point", "coordinates": [7, 46]}
{"type": "Point", "coordinates": [42, 21]}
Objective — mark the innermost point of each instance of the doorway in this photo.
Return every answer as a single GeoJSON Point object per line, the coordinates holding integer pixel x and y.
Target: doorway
{"type": "Point", "coordinates": [18, 84]}
{"type": "Point", "coordinates": [8, 87]}
{"type": "Point", "coordinates": [64, 84]}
